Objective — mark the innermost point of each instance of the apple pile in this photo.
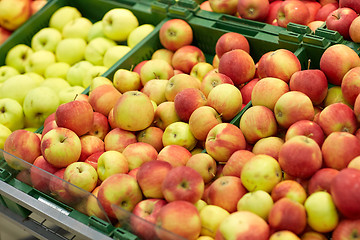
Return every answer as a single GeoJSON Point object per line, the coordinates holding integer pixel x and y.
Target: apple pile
{"type": "Point", "coordinates": [337, 15]}
{"type": "Point", "coordinates": [60, 63]}
{"type": "Point", "coordinates": [159, 141]}
{"type": "Point", "coordinates": [14, 13]}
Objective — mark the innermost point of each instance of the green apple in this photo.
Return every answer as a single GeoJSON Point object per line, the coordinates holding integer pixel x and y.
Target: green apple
{"type": "Point", "coordinates": [10, 88]}
{"type": "Point", "coordinates": [261, 172]}
{"type": "Point", "coordinates": [118, 23]}
{"type": "Point", "coordinates": [94, 72]}
{"type": "Point", "coordinates": [56, 84]}
{"type": "Point", "coordinates": [69, 94]}
{"type": "Point", "coordinates": [83, 176]}
{"type": "Point", "coordinates": [98, 81]}
{"type": "Point", "coordinates": [11, 114]}
{"type": "Point", "coordinates": [70, 50]}
{"type": "Point", "coordinates": [178, 133]}
{"type": "Point", "coordinates": [35, 77]}
{"type": "Point", "coordinates": [76, 72]}
{"type": "Point", "coordinates": [95, 31]}
{"type": "Point", "coordinates": [77, 28]}
{"type": "Point", "coordinates": [57, 69]}
{"type": "Point", "coordinates": [7, 72]}
{"type": "Point", "coordinates": [39, 61]}
{"type": "Point", "coordinates": [110, 163]}
{"type": "Point", "coordinates": [126, 80]}
{"type": "Point", "coordinates": [46, 39]}
{"type": "Point", "coordinates": [17, 56]}
{"type": "Point", "coordinates": [4, 133]}
{"type": "Point", "coordinates": [211, 216]}
{"type": "Point", "coordinates": [96, 49]}
{"type": "Point", "coordinates": [114, 54]}
{"type": "Point", "coordinates": [62, 16]}
{"type": "Point", "coordinates": [252, 200]}
{"type": "Point", "coordinates": [39, 103]}
{"type": "Point", "coordinates": [139, 34]}
{"type": "Point", "coordinates": [322, 215]}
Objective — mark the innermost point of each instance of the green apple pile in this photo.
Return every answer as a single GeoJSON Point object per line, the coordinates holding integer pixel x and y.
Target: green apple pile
{"type": "Point", "coordinates": [60, 63]}
{"type": "Point", "coordinates": [159, 142]}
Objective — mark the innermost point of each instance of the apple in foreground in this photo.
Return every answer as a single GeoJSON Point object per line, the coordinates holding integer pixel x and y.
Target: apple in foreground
{"type": "Point", "coordinates": [346, 228]}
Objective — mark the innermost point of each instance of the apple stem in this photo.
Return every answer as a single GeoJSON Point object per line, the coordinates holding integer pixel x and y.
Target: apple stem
{"type": "Point", "coordinates": [156, 76]}
{"type": "Point", "coordinates": [309, 62]}
{"type": "Point", "coordinates": [76, 95]}
{"type": "Point", "coordinates": [132, 68]}
{"type": "Point", "coordinates": [335, 16]}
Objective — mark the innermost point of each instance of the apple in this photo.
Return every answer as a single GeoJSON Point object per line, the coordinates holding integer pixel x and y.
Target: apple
{"type": "Point", "coordinates": [40, 178]}
{"type": "Point", "coordinates": [284, 234]}
{"type": "Point", "coordinates": [93, 207]}
{"type": "Point", "coordinates": [138, 34]}
{"type": "Point", "coordinates": [103, 98]}
{"type": "Point", "coordinates": [76, 72]}
{"type": "Point", "coordinates": [39, 60]}
{"type": "Point", "coordinates": [57, 70]}
{"type": "Point", "coordinates": [143, 218]}
{"type": "Point", "coordinates": [322, 215]}
{"type": "Point", "coordinates": [77, 28]}
{"type": "Point", "coordinates": [6, 72]}
{"type": "Point", "coordinates": [226, 99]}
{"type": "Point", "coordinates": [263, 178]}
{"type": "Point", "coordinates": [268, 145]}
{"type": "Point", "coordinates": [175, 155]}
{"type": "Point", "coordinates": [118, 23]}
{"type": "Point", "coordinates": [211, 80]}
{"type": "Point", "coordinates": [77, 116]}
{"type": "Point", "coordinates": [90, 144]}
{"type": "Point", "coordinates": [93, 159]}
{"type": "Point", "coordinates": [306, 128]}
{"type": "Point", "coordinates": [175, 33]}
{"type": "Point", "coordinates": [100, 126]}
{"type": "Point", "coordinates": [151, 135]}
{"type": "Point", "coordinates": [179, 82]}
{"type": "Point", "coordinates": [204, 164]}
{"type": "Point", "coordinates": [56, 84]}
{"type": "Point", "coordinates": [96, 49]}
{"type": "Point", "coordinates": [187, 101]}
{"type": "Point", "coordinates": [227, 6]}
{"type": "Point", "coordinates": [258, 122]}
{"type": "Point", "coordinates": [126, 80]}
{"type": "Point", "coordinates": [350, 86]}
{"type": "Point", "coordinates": [314, 25]}
{"type": "Point", "coordinates": [337, 117]}
{"type": "Point", "coordinates": [95, 31]}
{"type": "Point", "coordinates": [289, 189]}
{"type": "Point", "coordinates": [138, 153]}
{"type": "Point", "coordinates": [164, 54]}
{"type": "Point", "coordinates": [133, 111]}
{"type": "Point", "coordinates": [291, 107]}
{"type": "Point", "coordinates": [313, 7]}
{"type": "Point", "coordinates": [223, 140]}
{"type": "Point", "coordinates": [98, 81]}
{"type": "Point", "coordinates": [155, 90]}
{"type": "Point", "coordinates": [61, 147]}
{"type": "Point", "coordinates": [205, 5]}
{"type": "Point", "coordinates": [82, 176]}
{"type": "Point", "coordinates": [17, 56]}
{"type": "Point", "coordinates": [336, 61]}
{"type": "Point", "coordinates": [346, 228]}
{"type": "Point", "coordinates": [252, 200]}
{"type": "Point", "coordinates": [253, 9]}
{"type": "Point", "coordinates": [4, 34]}
{"type": "Point", "coordinates": [178, 217]}
{"type": "Point", "coordinates": [4, 134]}
{"type": "Point", "coordinates": [178, 133]}
{"type": "Point", "coordinates": [37, 5]}
{"type": "Point", "coordinates": [165, 114]}
{"type": "Point", "coordinates": [21, 144]}
{"type": "Point", "coordinates": [312, 235]}
{"type": "Point", "coordinates": [293, 163]}
{"type": "Point", "coordinates": [70, 50]}
{"type": "Point", "coordinates": [117, 139]}
{"type": "Point", "coordinates": [200, 69]}
{"type": "Point", "coordinates": [186, 57]}
{"type": "Point", "coordinates": [211, 216]}
{"type": "Point", "coordinates": [46, 39]}
{"type": "Point", "coordinates": [202, 120]}
{"type": "Point", "coordinates": [58, 190]}
{"type": "Point", "coordinates": [353, 30]}
{"type": "Point", "coordinates": [267, 91]}
{"type": "Point", "coordinates": [111, 162]}
{"type": "Point", "coordinates": [62, 16]}
{"type": "Point", "coordinates": [236, 162]}
{"type": "Point", "coordinates": [287, 214]}
{"type": "Point", "coordinates": [12, 15]}
{"type": "Point", "coordinates": [11, 114]}
{"type": "Point", "coordinates": [126, 196]}
{"type": "Point", "coordinates": [272, 12]}
{"type": "Point", "coordinates": [230, 41]}
{"type": "Point", "coordinates": [292, 11]}
{"type": "Point", "coordinates": [321, 180]}
{"type": "Point", "coordinates": [239, 73]}
{"type": "Point", "coordinates": [243, 225]}
{"type": "Point", "coordinates": [155, 69]}
{"type": "Point", "coordinates": [340, 20]}
{"type": "Point", "coordinates": [114, 54]}
{"type": "Point", "coordinates": [325, 10]}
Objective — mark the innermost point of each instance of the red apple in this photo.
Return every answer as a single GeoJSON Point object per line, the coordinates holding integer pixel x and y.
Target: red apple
{"type": "Point", "coordinates": [345, 192]}
{"type": "Point", "coordinates": [272, 13]}
{"type": "Point", "coordinates": [165, 114]}
{"type": "Point", "coordinates": [150, 177]}
{"type": "Point", "coordinates": [90, 144]}
{"type": "Point", "coordinates": [235, 163]}
{"type": "Point", "coordinates": [164, 54]}
{"type": "Point", "coordinates": [180, 82]}
{"type": "Point", "coordinates": [229, 65]}
{"type": "Point", "coordinates": [138, 153]}
{"type": "Point", "coordinates": [138, 66]}
{"type": "Point", "coordinates": [340, 20]}
{"type": "Point", "coordinates": [354, 30]}
{"type": "Point", "coordinates": [155, 69]}
{"type": "Point", "coordinates": [58, 190]}
{"type": "Point", "coordinates": [336, 61]}
{"type": "Point", "coordinates": [174, 154]}
{"type": "Point", "coordinates": [289, 189]}
{"type": "Point", "coordinates": [118, 139]}
{"type": "Point", "coordinates": [224, 6]}
{"type": "Point", "coordinates": [269, 146]}
{"type": "Point", "coordinates": [300, 156]}
{"type": "Point", "coordinates": [204, 164]}
{"type": "Point", "coordinates": [103, 98]}
{"type": "Point", "coordinates": [100, 126]}
{"type": "Point", "coordinates": [337, 117]}
{"type": "Point", "coordinates": [353, 4]}
{"type": "Point", "coordinates": [153, 136]}
{"type": "Point", "coordinates": [202, 120]}
{"type": "Point", "coordinates": [230, 41]}
{"type": "Point", "coordinates": [325, 10]}
{"type": "Point", "coordinates": [313, 7]}
{"type": "Point", "coordinates": [175, 33]}
{"type": "Point", "coordinates": [186, 57]}
{"type": "Point", "coordinates": [212, 79]}
{"type": "Point", "coordinates": [187, 101]}
{"type": "Point", "coordinates": [350, 85]}
{"type": "Point", "coordinates": [321, 180]}
{"type": "Point", "coordinates": [253, 9]}
{"type": "Point", "coordinates": [246, 90]}
{"type": "Point", "coordinates": [292, 11]}
{"type": "Point", "coordinates": [346, 229]}
{"type": "Point", "coordinates": [306, 128]}
{"type": "Point", "coordinates": [40, 178]}
{"type": "Point", "coordinates": [93, 159]}
{"type": "Point", "coordinates": [314, 25]}
{"type": "Point", "coordinates": [77, 116]}
{"type": "Point", "coordinates": [4, 35]}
